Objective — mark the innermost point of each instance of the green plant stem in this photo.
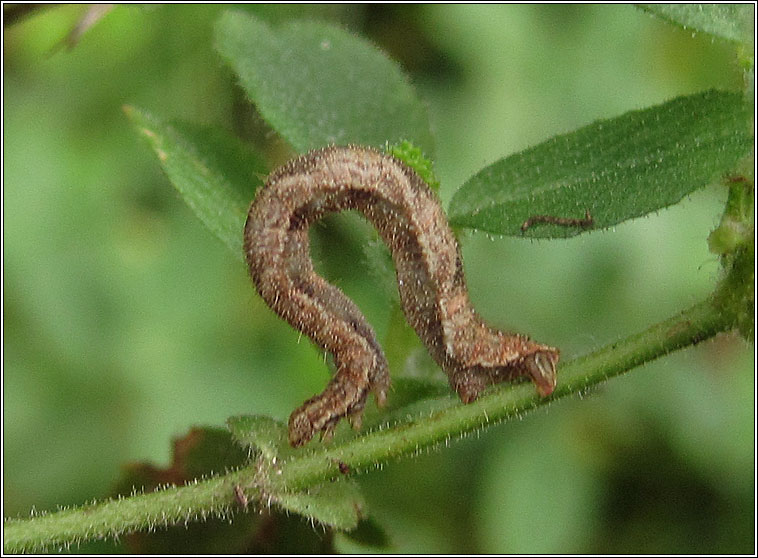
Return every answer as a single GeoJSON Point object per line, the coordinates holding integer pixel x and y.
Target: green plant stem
{"type": "Point", "coordinates": [175, 505]}
{"type": "Point", "coordinates": [576, 376]}
{"type": "Point", "coordinates": [215, 496]}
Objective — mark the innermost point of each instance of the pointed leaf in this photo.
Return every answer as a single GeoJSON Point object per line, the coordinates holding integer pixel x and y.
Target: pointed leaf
{"type": "Point", "coordinates": [316, 84]}
{"type": "Point", "coordinates": [733, 22]}
{"type": "Point", "coordinates": [617, 169]}
{"type": "Point", "coordinates": [215, 173]}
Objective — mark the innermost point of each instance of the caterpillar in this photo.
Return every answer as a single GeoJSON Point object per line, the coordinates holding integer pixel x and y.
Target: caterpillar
{"type": "Point", "coordinates": [430, 278]}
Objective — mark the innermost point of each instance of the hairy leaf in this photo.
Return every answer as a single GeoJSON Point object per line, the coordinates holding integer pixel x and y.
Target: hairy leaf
{"type": "Point", "coordinates": [215, 173]}
{"type": "Point", "coordinates": [618, 169]}
{"type": "Point", "coordinates": [316, 84]}
{"type": "Point", "coordinates": [733, 22]}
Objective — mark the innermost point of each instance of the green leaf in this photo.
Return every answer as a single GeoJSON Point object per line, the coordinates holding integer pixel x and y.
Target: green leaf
{"type": "Point", "coordinates": [262, 434]}
{"type": "Point", "coordinates": [338, 504]}
{"type": "Point", "coordinates": [733, 22]}
{"type": "Point", "coordinates": [215, 173]}
{"type": "Point", "coordinates": [316, 84]}
{"type": "Point", "coordinates": [618, 169]}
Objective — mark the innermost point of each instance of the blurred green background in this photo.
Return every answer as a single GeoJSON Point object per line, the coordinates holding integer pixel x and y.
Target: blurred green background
{"type": "Point", "coordinates": [126, 322]}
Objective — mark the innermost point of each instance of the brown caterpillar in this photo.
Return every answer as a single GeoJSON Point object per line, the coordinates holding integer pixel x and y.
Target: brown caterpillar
{"type": "Point", "coordinates": [430, 279]}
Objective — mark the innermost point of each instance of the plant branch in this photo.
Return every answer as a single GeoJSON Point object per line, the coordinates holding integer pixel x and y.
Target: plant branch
{"type": "Point", "coordinates": [216, 496]}
{"type": "Point", "coordinates": [112, 518]}
{"type": "Point", "coordinates": [576, 376]}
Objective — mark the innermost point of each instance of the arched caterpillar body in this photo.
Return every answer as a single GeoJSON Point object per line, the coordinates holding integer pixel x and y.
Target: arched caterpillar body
{"type": "Point", "coordinates": [430, 280]}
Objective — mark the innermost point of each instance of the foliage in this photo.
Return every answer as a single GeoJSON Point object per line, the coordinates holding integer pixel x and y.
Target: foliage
{"type": "Point", "coordinates": [617, 169]}
{"type": "Point", "coordinates": [727, 21]}
{"type": "Point", "coordinates": [297, 77]}
{"type": "Point", "coordinates": [316, 84]}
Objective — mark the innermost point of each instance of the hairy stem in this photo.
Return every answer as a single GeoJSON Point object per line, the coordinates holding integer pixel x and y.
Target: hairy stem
{"type": "Point", "coordinates": [216, 496]}
{"type": "Point", "coordinates": [576, 376]}
{"type": "Point", "coordinates": [175, 505]}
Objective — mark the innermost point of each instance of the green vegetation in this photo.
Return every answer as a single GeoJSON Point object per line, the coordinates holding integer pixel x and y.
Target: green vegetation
{"type": "Point", "coordinates": [126, 323]}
